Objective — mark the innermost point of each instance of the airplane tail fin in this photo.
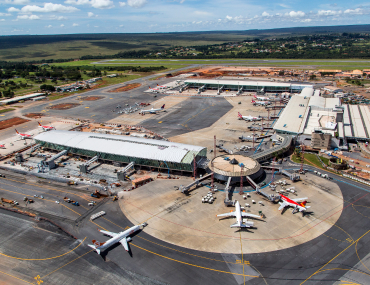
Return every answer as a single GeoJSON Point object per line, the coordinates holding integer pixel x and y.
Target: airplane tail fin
{"type": "Point", "coordinates": [242, 225]}
{"type": "Point", "coordinates": [39, 124]}
{"type": "Point", "coordinates": [163, 106]}
{"type": "Point", "coordinates": [93, 247]}
{"type": "Point", "coordinates": [253, 101]}
{"type": "Point", "coordinates": [255, 96]}
{"type": "Point", "coordinates": [303, 204]}
{"type": "Point", "coordinates": [240, 115]}
{"type": "Point", "coordinates": [16, 131]}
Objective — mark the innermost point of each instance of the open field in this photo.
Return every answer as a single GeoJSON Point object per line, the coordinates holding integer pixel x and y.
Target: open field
{"type": "Point", "coordinates": [178, 63]}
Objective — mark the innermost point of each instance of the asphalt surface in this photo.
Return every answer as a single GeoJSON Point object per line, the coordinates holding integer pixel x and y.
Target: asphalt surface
{"type": "Point", "coordinates": [152, 260]}
{"type": "Point", "coordinates": [190, 115]}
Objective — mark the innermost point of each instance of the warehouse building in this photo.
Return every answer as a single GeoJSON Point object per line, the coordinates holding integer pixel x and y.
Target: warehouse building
{"type": "Point", "coordinates": [246, 85]}
{"type": "Point", "coordinates": [123, 149]}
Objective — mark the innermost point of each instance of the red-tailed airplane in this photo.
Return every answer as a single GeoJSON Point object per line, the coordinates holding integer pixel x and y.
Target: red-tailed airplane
{"type": "Point", "coordinates": [262, 98]}
{"type": "Point", "coordinates": [2, 145]}
{"type": "Point", "coordinates": [249, 118]}
{"type": "Point", "coordinates": [286, 202]}
{"type": "Point", "coordinates": [261, 103]}
{"type": "Point", "coordinates": [23, 136]}
{"type": "Point", "coordinates": [154, 90]}
{"type": "Point", "coordinates": [46, 128]}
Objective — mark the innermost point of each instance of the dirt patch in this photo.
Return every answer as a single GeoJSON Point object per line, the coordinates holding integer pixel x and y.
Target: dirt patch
{"type": "Point", "coordinates": [34, 115]}
{"type": "Point", "coordinates": [126, 87]}
{"type": "Point", "coordinates": [12, 122]}
{"type": "Point", "coordinates": [91, 98]}
{"type": "Point", "coordinates": [64, 106]}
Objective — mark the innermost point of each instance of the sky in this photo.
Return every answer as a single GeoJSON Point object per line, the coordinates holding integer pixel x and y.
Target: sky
{"type": "Point", "coordinates": [19, 17]}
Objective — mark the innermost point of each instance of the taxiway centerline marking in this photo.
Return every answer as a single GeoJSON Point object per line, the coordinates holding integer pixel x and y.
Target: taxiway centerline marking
{"type": "Point", "coordinates": [40, 259]}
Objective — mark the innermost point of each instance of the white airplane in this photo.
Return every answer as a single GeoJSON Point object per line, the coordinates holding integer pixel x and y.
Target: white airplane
{"type": "Point", "coordinates": [249, 118]}
{"type": "Point", "coordinates": [239, 217]}
{"type": "Point", "coordinates": [2, 145]}
{"type": "Point", "coordinates": [301, 207]}
{"type": "Point", "coordinates": [121, 237]}
{"type": "Point", "coordinates": [152, 111]}
{"type": "Point", "coordinates": [23, 136]}
{"type": "Point", "coordinates": [262, 98]}
{"type": "Point", "coordinates": [154, 90]}
{"type": "Point", "coordinates": [261, 103]}
{"type": "Point", "coordinates": [46, 128]}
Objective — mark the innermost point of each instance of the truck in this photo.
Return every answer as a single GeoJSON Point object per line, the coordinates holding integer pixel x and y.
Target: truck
{"type": "Point", "coordinates": [75, 203]}
{"type": "Point", "coordinates": [12, 202]}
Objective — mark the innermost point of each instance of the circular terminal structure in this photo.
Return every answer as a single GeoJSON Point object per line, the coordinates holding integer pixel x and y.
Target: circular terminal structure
{"type": "Point", "coordinates": [226, 166]}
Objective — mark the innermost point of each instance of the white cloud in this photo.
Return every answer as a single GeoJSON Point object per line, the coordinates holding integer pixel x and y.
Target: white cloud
{"type": "Point", "coordinates": [5, 14]}
{"type": "Point", "coordinates": [306, 20]}
{"type": "Point", "coordinates": [49, 7]}
{"type": "Point", "coordinates": [265, 14]}
{"type": "Point", "coordinates": [284, 5]}
{"type": "Point", "coordinates": [229, 18]}
{"type": "Point", "coordinates": [75, 25]}
{"type": "Point", "coordinates": [90, 14]}
{"type": "Point", "coordinates": [50, 26]}
{"type": "Point", "coordinates": [102, 4]}
{"type": "Point", "coordinates": [295, 14]}
{"type": "Point", "coordinates": [122, 4]}
{"type": "Point", "coordinates": [17, 2]}
{"type": "Point", "coordinates": [62, 25]}
{"type": "Point", "coordinates": [77, 2]}
{"type": "Point", "coordinates": [2, 20]}
{"type": "Point", "coordinates": [59, 18]}
{"type": "Point", "coordinates": [28, 17]}
{"type": "Point", "coordinates": [12, 9]}
{"type": "Point", "coordinates": [120, 26]}
{"type": "Point", "coordinates": [136, 3]}
{"type": "Point", "coordinates": [202, 13]}
{"type": "Point", "coordinates": [357, 11]}
{"type": "Point", "coordinates": [328, 13]}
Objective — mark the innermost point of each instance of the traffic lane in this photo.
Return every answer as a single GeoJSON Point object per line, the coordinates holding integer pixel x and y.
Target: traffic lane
{"type": "Point", "coordinates": [155, 258]}
{"type": "Point", "coordinates": [17, 191]}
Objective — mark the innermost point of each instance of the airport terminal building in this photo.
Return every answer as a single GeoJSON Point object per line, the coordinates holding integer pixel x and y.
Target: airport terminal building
{"type": "Point", "coordinates": [246, 85]}
{"type": "Point", "coordinates": [124, 149]}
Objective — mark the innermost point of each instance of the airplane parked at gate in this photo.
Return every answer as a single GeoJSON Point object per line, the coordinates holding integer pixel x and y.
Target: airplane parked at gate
{"type": "Point", "coordinates": [46, 128]}
{"type": "Point", "coordinates": [152, 111]}
{"type": "Point", "coordinates": [262, 98]}
{"type": "Point", "coordinates": [260, 103]}
{"type": "Point", "coordinates": [23, 136]}
{"type": "Point", "coordinates": [239, 217]}
{"type": "Point", "coordinates": [122, 237]}
{"type": "Point", "coordinates": [154, 90]}
{"type": "Point", "coordinates": [249, 118]}
{"type": "Point", "coordinates": [301, 207]}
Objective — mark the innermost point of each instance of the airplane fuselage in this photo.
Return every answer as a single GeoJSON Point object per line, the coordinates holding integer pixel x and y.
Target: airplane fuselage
{"type": "Point", "coordinates": [118, 237]}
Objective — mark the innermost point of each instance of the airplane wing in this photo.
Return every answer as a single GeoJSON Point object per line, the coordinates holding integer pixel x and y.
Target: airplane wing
{"type": "Point", "coordinates": [249, 215]}
{"type": "Point", "coordinates": [283, 205]}
{"type": "Point", "coordinates": [231, 214]}
{"type": "Point", "coordinates": [108, 233]}
{"type": "Point", "coordinates": [124, 243]}
{"type": "Point", "coordinates": [300, 199]}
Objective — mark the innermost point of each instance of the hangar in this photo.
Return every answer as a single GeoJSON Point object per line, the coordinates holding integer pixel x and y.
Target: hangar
{"type": "Point", "coordinates": [124, 149]}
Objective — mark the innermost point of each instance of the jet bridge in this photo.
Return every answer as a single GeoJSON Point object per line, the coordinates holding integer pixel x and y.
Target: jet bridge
{"type": "Point", "coordinates": [220, 90]}
{"type": "Point", "coordinates": [292, 176]}
{"type": "Point", "coordinates": [121, 175]}
{"type": "Point", "coordinates": [51, 161]}
{"type": "Point", "coordinates": [185, 189]}
{"type": "Point", "coordinates": [220, 146]}
{"type": "Point", "coordinates": [201, 89]}
{"type": "Point", "coordinates": [240, 91]}
{"type": "Point", "coordinates": [227, 201]}
{"type": "Point", "coordinates": [84, 166]}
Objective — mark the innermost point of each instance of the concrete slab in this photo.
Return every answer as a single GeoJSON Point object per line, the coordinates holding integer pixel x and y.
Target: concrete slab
{"type": "Point", "coordinates": [185, 221]}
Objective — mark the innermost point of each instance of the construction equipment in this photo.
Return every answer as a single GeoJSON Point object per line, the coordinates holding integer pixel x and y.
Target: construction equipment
{"type": "Point", "coordinates": [96, 194]}
{"type": "Point", "coordinates": [9, 201]}
{"type": "Point", "coordinates": [115, 198]}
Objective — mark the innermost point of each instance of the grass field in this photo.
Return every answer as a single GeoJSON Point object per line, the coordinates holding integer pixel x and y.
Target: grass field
{"type": "Point", "coordinates": [6, 110]}
{"type": "Point", "coordinates": [180, 63]}
{"type": "Point", "coordinates": [311, 159]}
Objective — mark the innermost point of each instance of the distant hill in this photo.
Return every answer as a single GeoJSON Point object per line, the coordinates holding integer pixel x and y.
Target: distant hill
{"type": "Point", "coordinates": [35, 47]}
